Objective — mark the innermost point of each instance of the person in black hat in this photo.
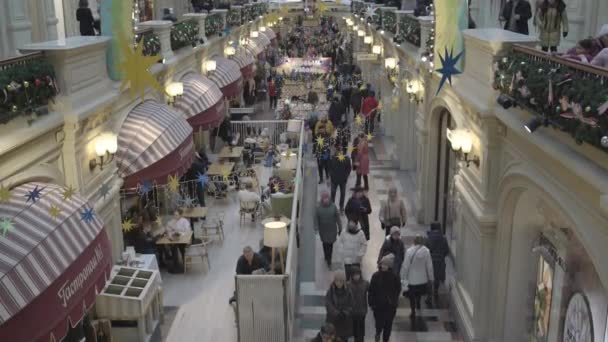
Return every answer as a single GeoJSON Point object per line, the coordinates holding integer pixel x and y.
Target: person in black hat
{"type": "Point", "coordinates": [339, 170]}
{"type": "Point", "coordinates": [358, 209]}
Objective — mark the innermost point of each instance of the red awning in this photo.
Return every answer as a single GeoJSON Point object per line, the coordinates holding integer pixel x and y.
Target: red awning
{"type": "Point", "coordinates": [53, 260]}
{"type": "Point", "coordinates": [154, 142]}
{"type": "Point", "coordinates": [246, 62]}
{"type": "Point", "coordinates": [227, 76]}
{"type": "Point", "coordinates": [202, 102]}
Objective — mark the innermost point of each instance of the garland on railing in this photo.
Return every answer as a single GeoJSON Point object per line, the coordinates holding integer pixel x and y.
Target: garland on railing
{"type": "Point", "coordinates": [233, 18]}
{"type": "Point", "coordinates": [428, 56]}
{"type": "Point", "coordinates": [247, 14]}
{"type": "Point", "coordinates": [25, 87]}
{"type": "Point", "coordinates": [184, 34]}
{"type": "Point", "coordinates": [377, 19]}
{"type": "Point", "coordinates": [566, 98]}
{"type": "Point", "coordinates": [151, 43]}
{"type": "Point", "coordinates": [389, 21]}
{"type": "Point", "coordinates": [409, 31]}
{"type": "Point", "coordinates": [214, 24]}
{"type": "Point", "coordinates": [358, 8]}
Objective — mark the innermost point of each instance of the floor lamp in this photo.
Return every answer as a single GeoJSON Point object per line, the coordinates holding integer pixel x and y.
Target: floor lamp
{"type": "Point", "coordinates": [275, 236]}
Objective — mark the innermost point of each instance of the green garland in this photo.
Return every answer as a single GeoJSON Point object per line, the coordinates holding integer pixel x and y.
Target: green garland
{"type": "Point", "coordinates": [377, 19]}
{"type": "Point", "coordinates": [409, 31]}
{"type": "Point", "coordinates": [25, 87]}
{"type": "Point", "coordinates": [213, 24]}
{"type": "Point", "coordinates": [151, 43]}
{"type": "Point", "coordinates": [247, 14]}
{"type": "Point", "coordinates": [358, 8]}
{"type": "Point", "coordinates": [184, 34]}
{"type": "Point", "coordinates": [389, 21]}
{"type": "Point", "coordinates": [233, 18]}
{"type": "Point", "coordinates": [577, 96]}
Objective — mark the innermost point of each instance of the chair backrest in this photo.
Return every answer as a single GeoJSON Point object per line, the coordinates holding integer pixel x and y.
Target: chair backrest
{"type": "Point", "coordinates": [249, 205]}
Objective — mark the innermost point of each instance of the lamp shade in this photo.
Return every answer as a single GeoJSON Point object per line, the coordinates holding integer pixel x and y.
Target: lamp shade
{"type": "Point", "coordinates": [390, 63]}
{"type": "Point", "coordinates": [229, 51]}
{"type": "Point", "coordinates": [210, 65]}
{"type": "Point", "coordinates": [361, 33]}
{"type": "Point", "coordinates": [368, 40]}
{"type": "Point", "coordinates": [466, 142]}
{"type": "Point", "coordinates": [355, 28]}
{"type": "Point", "coordinates": [294, 126]}
{"type": "Point", "coordinates": [175, 89]}
{"type": "Point", "coordinates": [254, 34]}
{"type": "Point", "coordinates": [262, 28]}
{"type": "Point", "coordinates": [376, 49]}
{"type": "Point", "coordinates": [275, 234]}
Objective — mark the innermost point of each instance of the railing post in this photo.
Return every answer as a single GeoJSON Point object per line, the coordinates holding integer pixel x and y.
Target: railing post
{"type": "Point", "coordinates": [162, 29]}
{"type": "Point", "coordinates": [200, 18]}
{"type": "Point", "coordinates": [223, 13]}
{"type": "Point", "coordinates": [427, 27]}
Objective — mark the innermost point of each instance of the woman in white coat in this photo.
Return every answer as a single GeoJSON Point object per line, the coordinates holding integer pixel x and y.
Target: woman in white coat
{"type": "Point", "coordinates": [417, 272]}
{"type": "Point", "coordinates": [353, 245]}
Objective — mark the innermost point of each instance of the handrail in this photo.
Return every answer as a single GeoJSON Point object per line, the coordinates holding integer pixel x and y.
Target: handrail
{"type": "Point", "coordinates": [592, 69]}
{"type": "Point", "coordinates": [21, 58]}
{"type": "Point", "coordinates": [294, 208]}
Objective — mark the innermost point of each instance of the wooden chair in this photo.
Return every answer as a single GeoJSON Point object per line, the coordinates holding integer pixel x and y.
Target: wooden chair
{"type": "Point", "coordinates": [196, 254]}
{"type": "Point", "coordinates": [249, 208]}
{"type": "Point", "coordinates": [215, 223]}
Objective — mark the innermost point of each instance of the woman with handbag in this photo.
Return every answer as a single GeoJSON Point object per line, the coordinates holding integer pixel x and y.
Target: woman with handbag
{"type": "Point", "coordinates": [418, 273]}
{"type": "Point", "coordinates": [392, 211]}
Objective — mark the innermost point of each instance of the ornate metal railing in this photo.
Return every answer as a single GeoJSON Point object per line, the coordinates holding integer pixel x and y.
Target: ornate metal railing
{"type": "Point", "coordinates": [214, 24]}
{"type": "Point", "coordinates": [409, 30]}
{"type": "Point", "coordinates": [389, 21]}
{"type": "Point", "coordinates": [151, 43]}
{"type": "Point", "coordinates": [184, 34]}
{"type": "Point", "coordinates": [233, 18]}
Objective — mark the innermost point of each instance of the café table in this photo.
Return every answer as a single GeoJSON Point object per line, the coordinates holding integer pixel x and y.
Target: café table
{"type": "Point", "coordinates": [195, 212]}
{"type": "Point", "coordinates": [220, 169]}
{"type": "Point", "coordinates": [176, 243]}
{"type": "Point", "coordinates": [229, 153]}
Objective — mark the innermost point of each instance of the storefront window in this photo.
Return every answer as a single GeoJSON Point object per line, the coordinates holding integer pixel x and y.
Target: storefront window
{"type": "Point", "coordinates": [542, 300]}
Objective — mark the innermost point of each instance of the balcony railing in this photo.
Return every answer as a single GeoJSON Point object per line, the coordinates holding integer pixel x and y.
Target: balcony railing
{"type": "Point", "coordinates": [214, 24]}
{"type": "Point", "coordinates": [184, 34]}
{"type": "Point", "coordinates": [565, 94]}
{"type": "Point", "coordinates": [247, 13]}
{"type": "Point", "coordinates": [28, 84]}
{"type": "Point", "coordinates": [389, 21]}
{"type": "Point", "coordinates": [233, 18]}
{"type": "Point", "coordinates": [409, 30]}
{"type": "Point", "coordinates": [151, 43]}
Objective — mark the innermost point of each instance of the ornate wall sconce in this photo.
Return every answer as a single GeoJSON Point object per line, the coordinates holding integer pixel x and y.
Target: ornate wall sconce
{"type": "Point", "coordinates": [360, 33]}
{"type": "Point", "coordinates": [368, 40]}
{"type": "Point", "coordinates": [174, 90]}
{"type": "Point", "coordinates": [229, 51]}
{"type": "Point", "coordinates": [390, 64]}
{"type": "Point", "coordinates": [254, 34]}
{"type": "Point", "coordinates": [462, 143]}
{"type": "Point", "coordinates": [210, 66]}
{"type": "Point", "coordinates": [377, 50]}
{"type": "Point", "coordinates": [106, 146]}
{"type": "Point", "coordinates": [413, 89]}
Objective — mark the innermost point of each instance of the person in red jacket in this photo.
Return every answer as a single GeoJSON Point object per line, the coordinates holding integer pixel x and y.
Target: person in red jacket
{"type": "Point", "coordinates": [369, 109]}
{"type": "Point", "coordinates": [272, 93]}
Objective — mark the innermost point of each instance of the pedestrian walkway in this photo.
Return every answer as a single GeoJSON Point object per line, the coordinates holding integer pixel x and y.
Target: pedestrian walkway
{"type": "Point", "coordinates": [435, 325]}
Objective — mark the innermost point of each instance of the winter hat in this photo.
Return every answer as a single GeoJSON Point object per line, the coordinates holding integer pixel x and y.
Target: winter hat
{"type": "Point", "coordinates": [355, 270]}
{"type": "Point", "coordinates": [395, 229]}
{"type": "Point", "coordinates": [387, 260]}
{"type": "Point", "coordinates": [340, 275]}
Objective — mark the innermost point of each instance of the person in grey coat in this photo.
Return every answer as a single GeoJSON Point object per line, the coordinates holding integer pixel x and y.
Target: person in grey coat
{"type": "Point", "coordinates": [328, 225]}
{"type": "Point", "coordinates": [358, 287]}
{"type": "Point", "coordinates": [339, 306]}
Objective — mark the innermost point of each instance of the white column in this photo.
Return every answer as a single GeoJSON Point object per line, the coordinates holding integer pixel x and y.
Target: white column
{"type": "Point", "coordinates": [19, 27]}
{"type": "Point", "coordinates": [162, 29]}
{"type": "Point", "coordinates": [51, 20]}
{"type": "Point", "coordinates": [426, 29]}
{"type": "Point", "coordinates": [200, 18]}
{"type": "Point", "coordinates": [68, 10]}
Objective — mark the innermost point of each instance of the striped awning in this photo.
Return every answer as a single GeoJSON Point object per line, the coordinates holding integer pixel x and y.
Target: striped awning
{"type": "Point", "coordinates": [202, 102]}
{"type": "Point", "coordinates": [227, 76]}
{"type": "Point", "coordinates": [54, 257]}
{"type": "Point", "coordinates": [254, 47]}
{"type": "Point", "coordinates": [153, 143]}
{"type": "Point", "coordinates": [270, 33]}
{"type": "Point", "coordinates": [262, 40]}
{"type": "Point", "coordinates": [245, 61]}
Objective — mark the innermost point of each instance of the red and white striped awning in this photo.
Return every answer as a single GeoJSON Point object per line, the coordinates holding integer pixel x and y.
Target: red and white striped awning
{"type": "Point", "coordinates": [254, 47]}
{"type": "Point", "coordinates": [202, 102]}
{"type": "Point", "coordinates": [54, 258]}
{"type": "Point", "coordinates": [245, 61]}
{"type": "Point", "coordinates": [262, 40]}
{"type": "Point", "coordinates": [153, 143]}
{"type": "Point", "coordinates": [227, 76]}
{"type": "Point", "coordinates": [270, 33]}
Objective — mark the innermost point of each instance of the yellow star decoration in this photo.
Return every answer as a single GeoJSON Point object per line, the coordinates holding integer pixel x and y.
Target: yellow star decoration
{"type": "Point", "coordinates": [54, 211]}
{"type": "Point", "coordinates": [5, 194]}
{"type": "Point", "coordinates": [159, 220]}
{"type": "Point", "coordinates": [322, 8]}
{"type": "Point", "coordinates": [127, 226]}
{"type": "Point", "coordinates": [135, 69]}
{"type": "Point", "coordinates": [284, 11]}
{"type": "Point", "coordinates": [341, 157]}
{"type": "Point", "coordinates": [359, 120]}
{"type": "Point", "coordinates": [369, 137]}
{"type": "Point", "coordinates": [226, 175]}
{"type": "Point", "coordinates": [320, 141]}
{"type": "Point", "coordinates": [173, 183]}
{"type": "Point", "coordinates": [69, 193]}
{"type": "Point", "coordinates": [276, 187]}
{"type": "Point", "coordinates": [351, 149]}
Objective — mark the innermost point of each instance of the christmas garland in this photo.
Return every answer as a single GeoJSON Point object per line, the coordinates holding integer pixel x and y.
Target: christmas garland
{"type": "Point", "coordinates": [25, 87]}
{"type": "Point", "coordinates": [389, 21]}
{"type": "Point", "coordinates": [247, 14]}
{"type": "Point", "coordinates": [377, 19]}
{"type": "Point", "coordinates": [213, 24]}
{"type": "Point", "coordinates": [233, 18]}
{"type": "Point", "coordinates": [566, 98]}
{"type": "Point", "coordinates": [258, 10]}
{"type": "Point", "coordinates": [409, 31]}
{"type": "Point", "coordinates": [358, 8]}
{"type": "Point", "coordinates": [151, 43]}
{"type": "Point", "coordinates": [184, 34]}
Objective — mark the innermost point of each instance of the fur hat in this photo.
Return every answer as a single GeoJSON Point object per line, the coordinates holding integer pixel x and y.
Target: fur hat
{"type": "Point", "coordinates": [395, 229]}
{"type": "Point", "coordinates": [387, 260]}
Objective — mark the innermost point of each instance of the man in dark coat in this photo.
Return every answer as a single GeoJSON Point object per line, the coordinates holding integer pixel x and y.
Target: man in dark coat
{"type": "Point", "coordinates": [438, 246]}
{"type": "Point", "coordinates": [393, 245]}
{"type": "Point", "coordinates": [383, 297]}
{"type": "Point", "coordinates": [358, 209]}
{"type": "Point", "coordinates": [339, 170]}
{"type": "Point", "coordinates": [339, 306]}
{"type": "Point", "coordinates": [327, 334]}
{"type": "Point", "coordinates": [248, 263]}
{"type": "Point", "coordinates": [359, 288]}
{"type": "Point", "coordinates": [336, 110]}
{"type": "Point", "coordinates": [356, 98]}
{"type": "Point", "coordinates": [516, 14]}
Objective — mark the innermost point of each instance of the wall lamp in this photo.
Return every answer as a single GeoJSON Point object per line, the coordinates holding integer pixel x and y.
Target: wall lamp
{"type": "Point", "coordinates": [462, 143]}
{"type": "Point", "coordinates": [229, 51]}
{"type": "Point", "coordinates": [360, 33]}
{"type": "Point", "coordinates": [390, 64]}
{"type": "Point", "coordinates": [355, 28]}
{"type": "Point", "coordinates": [210, 66]}
{"type": "Point", "coordinates": [106, 146]}
{"type": "Point", "coordinates": [175, 90]}
{"type": "Point", "coordinates": [412, 89]}
{"type": "Point", "coordinates": [376, 49]}
{"type": "Point", "coordinates": [368, 40]}
{"type": "Point", "coordinates": [254, 34]}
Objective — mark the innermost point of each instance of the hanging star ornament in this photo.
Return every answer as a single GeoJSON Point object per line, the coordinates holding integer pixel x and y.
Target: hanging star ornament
{"type": "Point", "coordinates": [87, 215]}
{"type": "Point", "coordinates": [68, 193]}
{"type": "Point", "coordinates": [226, 175]}
{"type": "Point", "coordinates": [320, 141]}
{"type": "Point", "coordinates": [6, 225]}
{"type": "Point", "coordinates": [322, 8]}
{"type": "Point", "coordinates": [135, 69]}
{"type": "Point", "coordinates": [341, 157]}
{"type": "Point", "coordinates": [448, 67]}
{"type": "Point", "coordinates": [370, 12]}
{"type": "Point", "coordinates": [173, 183]}
{"type": "Point", "coordinates": [127, 226]}
{"type": "Point", "coordinates": [202, 179]}
{"type": "Point", "coordinates": [54, 211]}
{"type": "Point", "coordinates": [33, 195]}
{"type": "Point", "coordinates": [5, 194]}
{"type": "Point", "coordinates": [351, 149]}
{"type": "Point", "coordinates": [104, 190]}
{"type": "Point", "coordinates": [143, 189]}
{"type": "Point", "coordinates": [369, 137]}
{"type": "Point", "coordinates": [359, 120]}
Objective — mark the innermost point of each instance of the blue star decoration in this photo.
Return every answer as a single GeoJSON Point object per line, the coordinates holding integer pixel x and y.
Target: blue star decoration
{"type": "Point", "coordinates": [33, 195]}
{"type": "Point", "coordinates": [87, 215]}
{"type": "Point", "coordinates": [6, 225]}
{"type": "Point", "coordinates": [104, 190]}
{"type": "Point", "coordinates": [448, 67]}
{"type": "Point", "coordinates": [202, 179]}
{"type": "Point", "coordinates": [143, 189]}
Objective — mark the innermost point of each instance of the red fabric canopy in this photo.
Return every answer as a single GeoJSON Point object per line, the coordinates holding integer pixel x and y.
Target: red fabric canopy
{"type": "Point", "coordinates": [233, 90]}
{"type": "Point", "coordinates": [210, 118]}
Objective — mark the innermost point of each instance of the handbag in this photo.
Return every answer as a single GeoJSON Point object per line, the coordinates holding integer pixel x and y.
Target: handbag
{"type": "Point", "coordinates": [392, 221]}
{"type": "Point", "coordinates": [406, 290]}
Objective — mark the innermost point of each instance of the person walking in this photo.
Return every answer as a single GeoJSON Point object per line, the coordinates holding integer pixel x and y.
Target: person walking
{"type": "Point", "coordinates": [339, 306]}
{"type": "Point", "coordinates": [356, 98]}
{"type": "Point", "coordinates": [328, 225]}
{"type": "Point", "coordinates": [383, 297]}
{"type": "Point", "coordinates": [359, 288]}
{"type": "Point", "coordinates": [336, 112]}
{"type": "Point", "coordinates": [515, 15]}
{"type": "Point", "coordinates": [363, 162]}
{"type": "Point", "coordinates": [358, 209]}
{"type": "Point", "coordinates": [417, 273]}
{"type": "Point", "coordinates": [272, 93]}
{"type": "Point", "coordinates": [86, 19]}
{"type": "Point", "coordinates": [392, 211]}
{"type": "Point", "coordinates": [322, 151]}
{"type": "Point", "coordinates": [353, 246]}
{"type": "Point", "coordinates": [339, 170]}
{"type": "Point", "coordinates": [439, 249]}
{"type": "Point", "coordinates": [327, 334]}
{"type": "Point", "coordinates": [551, 19]}
{"type": "Point", "coordinates": [393, 245]}
{"type": "Point", "coordinates": [369, 109]}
